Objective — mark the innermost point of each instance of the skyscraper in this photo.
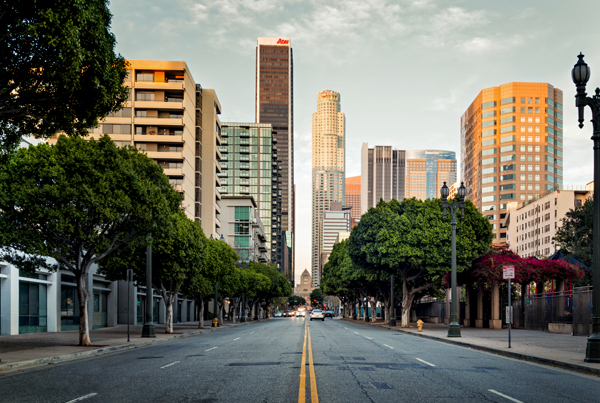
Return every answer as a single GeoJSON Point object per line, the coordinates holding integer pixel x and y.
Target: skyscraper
{"type": "Point", "coordinates": [328, 166]}
{"type": "Point", "coordinates": [426, 172]}
{"type": "Point", "coordinates": [382, 175]}
{"type": "Point", "coordinates": [249, 168]}
{"type": "Point", "coordinates": [353, 199]}
{"type": "Point", "coordinates": [274, 105]}
{"type": "Point", "coordinates": [511, 147]}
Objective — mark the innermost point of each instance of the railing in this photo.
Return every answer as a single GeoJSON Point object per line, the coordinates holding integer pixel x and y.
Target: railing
{"type": "Point", "coordinates": [160, 117]}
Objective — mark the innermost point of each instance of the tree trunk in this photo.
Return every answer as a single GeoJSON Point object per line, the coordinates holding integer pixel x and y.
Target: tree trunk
{"type": "Point", "coordinates": [407, 300]}
{"type": "Point", "coordinates": [374, 310]}
{"type": "Point", "coordinates": [200, 301]}
{"type": "Point", "coordinates": [84, 296]}
{"type": "Point", "coordinates": [169, 321]}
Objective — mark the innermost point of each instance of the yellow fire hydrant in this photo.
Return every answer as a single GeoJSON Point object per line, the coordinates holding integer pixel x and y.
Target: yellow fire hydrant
{"type": "Point", "coordinates": [420, 324]}
{"type": "Point", "coordinates": [215, 322]}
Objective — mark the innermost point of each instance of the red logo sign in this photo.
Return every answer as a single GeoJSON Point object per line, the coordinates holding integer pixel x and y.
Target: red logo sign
{"type": "Point", "coordinates": [283, 41]}
{"type": "Point", "coordinates": [324, 94]}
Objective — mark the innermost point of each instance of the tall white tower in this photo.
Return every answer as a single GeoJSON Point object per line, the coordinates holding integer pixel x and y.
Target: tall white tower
{"type": "Point", "coordinates": [328, 166]}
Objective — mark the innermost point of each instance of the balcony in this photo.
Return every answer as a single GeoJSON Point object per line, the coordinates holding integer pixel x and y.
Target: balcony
{"type": "Point", "coordinates": [177, 120]}
{"type": "Point", "coordinates": [244, 158]}
{"type": "Point", "coordinates": [244, 133]}
{"type": "Point", "coordinates": [222, 174]}
{"type": "Point", "coordinates": [165, 155]}
{"type": "Point", "coordinates": [245, 190]}
{"type": "Point", "coordinates": [173, 171]}
{"type": "Point", "coordinates": [217, 181]}
{"type": "Point", "coordinates": [154, 138]}
{"type": "Point", "coordinates": [175, 103]}
{"type": "Point", "coordinates": [218, 166]}
{"type": "Point", "coordinates": [151, 85]}
{"type": "Point", "coordinates": [244, 142]}
{"type": "Point", "coordinates": [244, 182]}
{"type": "Point", "coordinates": [244, 174]}
{"type": "Point", "coordinates": [244, 165]}
{"type": "Point", "coordinates": [245, 150]}
{"type": "Point", "coordinates": [223, 149]}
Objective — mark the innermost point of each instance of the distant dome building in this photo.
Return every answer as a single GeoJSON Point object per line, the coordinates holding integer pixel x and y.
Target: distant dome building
{"type": "Point", "coordinates": [304, 288]}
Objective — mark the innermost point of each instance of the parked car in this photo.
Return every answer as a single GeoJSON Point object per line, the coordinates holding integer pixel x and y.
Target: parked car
{"type": "Point", "coordinates": [301, 313]}
{"type": "Point", "coordinates": [317, 314]}
{"type": "Point", "coordinates": [278, 314]}
{"type": "Point", "coordinates": [329, 314]}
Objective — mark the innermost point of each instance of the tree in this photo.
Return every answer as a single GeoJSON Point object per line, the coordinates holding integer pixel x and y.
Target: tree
{"type": "Point", "coordinates": [575, 234]}
{"type": "Point", "coordinates": [316, 295]}
{"type": "Point", "coordinates": [78, 201]}
{"type": "Point", "coordinates": [59, 68]}
{"type": "Point", "coordinates": [296, 300]}
{"type": "Point", "coordinates": [177, 254]}
{"type": "Point", "coordinates": [411, 239]}
{"type": "Point", "coordinates": [218, 265]}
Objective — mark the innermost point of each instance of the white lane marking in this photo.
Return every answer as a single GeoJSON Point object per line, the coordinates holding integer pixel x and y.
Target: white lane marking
{"type": "Point", "coordinates": [425, 362]}
{"type": "Point", "coordinates": [368, 338]}
{"type": "Point", "coordinates": [252, 333]}
{"type": "Point", "coordinates": [504, 396]}
{"type": "Point", "coordinates": [211, 348]}
{"type": "Point", "coordinates": [389, 346]}
{"type": "Point", "coordinates": [346, 328]}
{"type": "Point", "coordinates": [237, 339]}
{"type": "Point", "coordinates": [168, 365]}
{"type": "Point", "coordinates": [82, 398]}
{"type": "Point", "coordinates": [355, 333]}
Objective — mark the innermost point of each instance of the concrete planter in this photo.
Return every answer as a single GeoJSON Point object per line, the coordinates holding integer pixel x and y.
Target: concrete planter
{"type": "Point", "coordinates": [564, 328]}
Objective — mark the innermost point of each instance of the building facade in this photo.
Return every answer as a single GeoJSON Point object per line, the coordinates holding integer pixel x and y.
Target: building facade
{"type": "Point", "coordinates": [249, 168]}
{"type": "Point", "coordinates": [353, 199]}
{"type": "Point", "coordinates": [511, 148]}
{"type": "Point", "coordinates": [383, 173]}
{"type": "Point", "coordinates": [274, 101]}
{"type": "Point", "coordinates": [328, 166]}
{"type": "Point", "coordinates": [334, 221]}
{"type": "Point", "coordinates": [531, 226]}
{"type": "Point", "coordinates": [243, 229]}
{"type": "Point", "coordinates": [426, 172]}
{"type": "Point", "coordinates": [304, 288]}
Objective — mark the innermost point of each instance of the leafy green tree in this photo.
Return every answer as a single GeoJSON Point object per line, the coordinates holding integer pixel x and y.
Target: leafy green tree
{"type": "Point", "coordinates": [177, 254]}
{"type": "Point", "coordinates": [78, 202]}
{"type": "Point", "coordinates": [218, 265]}
{"type": "Point", "coordinates": [280, 286]}
{"type": "Point", "coordinates": [59, 68]}
{"type": "Point", "coordinates": [411, 239]}
{"type": "Point", "coordinates": [317, 295]}
{"type": "Point", "coordinates": [575, 234]}
{"type": "Point", "coordinates": [296, 300]}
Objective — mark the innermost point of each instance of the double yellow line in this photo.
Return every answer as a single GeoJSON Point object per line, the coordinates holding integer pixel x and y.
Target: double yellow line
{"type": "Point", "coordinates": [314, 397]}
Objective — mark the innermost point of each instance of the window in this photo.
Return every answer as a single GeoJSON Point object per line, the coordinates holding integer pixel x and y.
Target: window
{"type": "Point", "coordinates": [32, 307]}
{"type": "Point", "coordinates": [507, 196]}
{"type": "Point", "coordinates": [510, 109]}
{"type": "Point", "coordinates": [523, 130]}
{"type": "Point", "coordinates": [488, 123]}
{"type": "Point", "coordinates": [508, 148]}
{"type": "Point", "coordinates": [522, 196]}
{"type": "Point", "coordinates": [537, 177]}
{"type": "Point", "coordinates": [116, 129]}
{"type": "Point", "coordinates": [523, 157]}
{"type": "Point", "coordinates": [537, 157]}
{"type": "Point", "coordinates": [488, 161]}
{"type": "Point", "coordinates": [522, 100]}
{"type": "Point", "coordinates": [488, 189]}
{"type": "Point", "coordinates": [242, 213]}
{"type": "Point", "coordinates": [509, 100]}
{"type": "Point", "coordinates": [489, 151]}
{"type": "Point", "coordinates": [530, 158]}
{"type": "Point", "coordinates": [507, 139]}
{"type": "Point", "coordinates": [148, 77]}
{"type": "Point", "coordinates": [522, 186]}
{"type": "Point", "coordinates": [510, 167]}
{"type": "Point", "coordinates": [242, 241]}
{"type": "Point", "coordinates": [488, 170]}
{"type": "Point", "coordinates": [488, 114]}
{"type": "Point", "coordinates": [529, 139]}
{"type": "Point", "coordinates": [522, 177]}
{"type": "Point", "coordinates": [506, 158]}
{"type": "Point", "coordinates": [485, 199]}
{"type": "Point", "coordinates": [488, 105]}
{"type": "Point", "coordinates": [507, 177]}
{"type": "Point", "coordinates": [487, 133]}
{"type": "Point", "coordinates": [490, 179]}
{"type": "Point", "coordinates": [529, 119]}
{"type": "Point", "coordinates": [490, 142]}
{"type": "Point", "coordinates": [242, 228]}
{"type": "Point", "coordinates": [509, 186]}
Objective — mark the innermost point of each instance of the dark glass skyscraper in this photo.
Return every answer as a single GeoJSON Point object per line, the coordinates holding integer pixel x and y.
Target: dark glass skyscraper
{"type": "Point", "coordinates": [274, 105]}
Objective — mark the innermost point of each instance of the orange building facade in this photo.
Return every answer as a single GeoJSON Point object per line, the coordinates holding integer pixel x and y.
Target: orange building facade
{"type": "Point", "coordinates": [511, 148]}
{"type": "Point", "coordinates": [353, 199]}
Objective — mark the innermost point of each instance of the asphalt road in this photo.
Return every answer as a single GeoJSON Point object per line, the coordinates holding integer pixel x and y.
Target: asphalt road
{"type": "Point", "coordinates": [343, 362]}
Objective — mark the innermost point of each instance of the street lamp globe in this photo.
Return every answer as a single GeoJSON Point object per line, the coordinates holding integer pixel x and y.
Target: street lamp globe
{"type": "Point", "coordinates": [462, 191]}
{"type": "Point", "coordinates": [444, 191]}
{"type": "Point", "coordinates": [581, 72]}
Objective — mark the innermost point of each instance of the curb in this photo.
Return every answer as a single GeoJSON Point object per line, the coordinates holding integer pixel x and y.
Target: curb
{"type": "Point", "coordinates": [521, 356]}
{"type": "Point", "coordinates": [18, 365]}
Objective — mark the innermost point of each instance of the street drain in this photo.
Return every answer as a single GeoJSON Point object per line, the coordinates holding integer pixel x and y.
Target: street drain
{"type": "Point", "coordinates": [376, 385]}
{"type": "Point", "coordinates": [249, 364]}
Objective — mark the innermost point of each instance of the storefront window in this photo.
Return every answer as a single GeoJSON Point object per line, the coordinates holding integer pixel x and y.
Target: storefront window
{"type": "Point", "coordinates": [69, 308]}
{"type": "Point", "coordinates": [32, 308]}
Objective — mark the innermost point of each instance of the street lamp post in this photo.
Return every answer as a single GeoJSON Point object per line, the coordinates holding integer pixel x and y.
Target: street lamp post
{"type": "Point", "coordinates": [581, 74]}
{"type": "Point", "coordinates": [454, 327]}
{"type": "Point", "coordinates": [148, 328]}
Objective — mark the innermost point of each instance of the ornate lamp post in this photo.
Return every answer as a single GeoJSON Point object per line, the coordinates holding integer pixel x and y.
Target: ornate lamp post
{"type": "Point", "coordinates": [581, 74]}
{"type": "Point", "coordinates": [454, 327]}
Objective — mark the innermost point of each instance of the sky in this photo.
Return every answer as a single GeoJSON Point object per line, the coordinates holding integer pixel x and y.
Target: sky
{"type": "Point", "coordinates": [406, 70]}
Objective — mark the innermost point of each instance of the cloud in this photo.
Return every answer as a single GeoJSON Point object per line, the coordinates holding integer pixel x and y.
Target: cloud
{"type": "Point", "coordinates": [443, 104]}
{"type": "Point", "coordinates": [482, 45]}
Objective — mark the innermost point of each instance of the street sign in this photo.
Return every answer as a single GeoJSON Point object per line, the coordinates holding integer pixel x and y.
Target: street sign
{"type": "Point", "coordinates": [509, 314]}
{"type": "Point", "coordinates": [508, 272]}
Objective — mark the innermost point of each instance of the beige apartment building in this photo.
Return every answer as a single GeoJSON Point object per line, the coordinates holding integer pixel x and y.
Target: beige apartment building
{"type": "Point", "coordinates": [511, 148]}
{"type": "Point", "coordinates": [175, 122]}
{"type": "Point", "coordinates": [530, 226]}
{"type": "Point", "coordinates": [328, 167]}
{"type": "Point", "coordinates": [426, 172]}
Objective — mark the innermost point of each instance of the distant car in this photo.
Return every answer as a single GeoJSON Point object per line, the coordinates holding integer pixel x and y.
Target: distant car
{"type": "Point", "coordinates": [278, 314]}
{"type": "Point", "coordinates": [289, 314]}
{"type": "Point", "coordinates": [329, 314]}
{"type": "Point", "coordinates": [317, 314]}
{"type": "Point", "coordinates": [301, 313]}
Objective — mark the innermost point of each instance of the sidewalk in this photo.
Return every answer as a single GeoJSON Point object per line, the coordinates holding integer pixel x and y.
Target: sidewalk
{"type": "Point", "coordinates": [31, 349]}
{"type": "Point", "coordinates": [560, 350]}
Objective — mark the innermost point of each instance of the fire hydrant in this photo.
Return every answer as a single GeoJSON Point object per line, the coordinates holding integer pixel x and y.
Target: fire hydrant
{"type": "Point", "coordinates": [215, 322]}
{"type": "Point", "coordinates": [420, 324]}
